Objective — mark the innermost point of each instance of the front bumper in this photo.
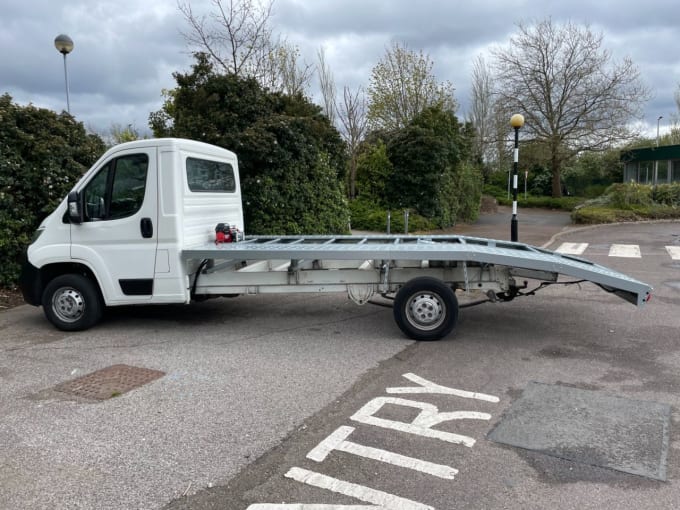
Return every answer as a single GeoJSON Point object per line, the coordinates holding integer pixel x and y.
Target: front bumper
{"type": "Point", "coordinates": [30, 283]}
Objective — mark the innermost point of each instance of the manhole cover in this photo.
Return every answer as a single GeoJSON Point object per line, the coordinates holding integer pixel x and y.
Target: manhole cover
{"type": "Point", "coordinates": [109, 382]}
{"type": "Point", "coordinates": [589, 427]}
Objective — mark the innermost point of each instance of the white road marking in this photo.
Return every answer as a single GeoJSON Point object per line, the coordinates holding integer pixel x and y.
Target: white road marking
{"type": "Point", "coordinates": [337, 441]}
{"type": "Point", "coordinates": [428, 417]}
{"type": "Point", "coordinates": [631, 251]}
{"type": "Point", "coordinates": [307, 506]}
{"type": "Point", "coordinates": [674, 252]}
{"type": "Point", "coordinates": [572, 248]}
{"type": "Point", "coordinates": [354, 490]}
{"type": "Point", "coordinates": [430, 387]}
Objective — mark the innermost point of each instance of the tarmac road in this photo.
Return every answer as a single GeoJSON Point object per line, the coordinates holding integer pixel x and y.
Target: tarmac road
{"type": "Point", "coordinates": [246, 378]}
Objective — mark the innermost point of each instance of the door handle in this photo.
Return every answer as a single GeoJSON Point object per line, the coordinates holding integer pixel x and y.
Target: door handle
{"type": "Point", "coordinates": [146, 227]}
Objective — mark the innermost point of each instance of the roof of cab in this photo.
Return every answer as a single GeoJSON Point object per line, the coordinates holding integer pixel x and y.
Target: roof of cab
{"type": "Point", "coordinates": [175, 143]}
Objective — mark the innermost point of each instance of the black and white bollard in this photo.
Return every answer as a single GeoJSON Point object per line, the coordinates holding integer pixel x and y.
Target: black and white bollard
{"type": "Point", "coordinates": [516, 121]}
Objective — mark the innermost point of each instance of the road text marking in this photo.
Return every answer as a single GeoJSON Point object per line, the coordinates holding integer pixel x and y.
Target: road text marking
{"type": "Point", "coordinates": [337, 441]}
{"type": "Point", "coordinates": [354, 490]}
{"type": "Point", "coordinates": [430, 387]}
{"type": "Point", "coordinates": [429, 417]}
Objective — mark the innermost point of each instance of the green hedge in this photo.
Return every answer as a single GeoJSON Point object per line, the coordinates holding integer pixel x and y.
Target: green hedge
{"type": "Point", "coordinates": [631, 202]}
{"type": "Point", "coordinates": [366, 215]}
{"type": "Point", "coordinates": [42, 155]}
{"type": "Point", "coordinates": [562, 203]}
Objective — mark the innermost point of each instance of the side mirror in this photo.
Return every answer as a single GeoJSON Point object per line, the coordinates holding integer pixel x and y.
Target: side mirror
{"type": "Point", "coordinates": [75, 210]}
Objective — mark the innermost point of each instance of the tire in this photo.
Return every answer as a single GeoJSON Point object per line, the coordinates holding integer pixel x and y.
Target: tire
{"type": "Point", "coordinates": [426, 309]}
{"type": "Point", "coordinates": [72, 303]}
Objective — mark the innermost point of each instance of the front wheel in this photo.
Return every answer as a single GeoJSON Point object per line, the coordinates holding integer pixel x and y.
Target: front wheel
{"type": "Point", "coordinates": [71, 302]}
{"type": "Point", "coordinates": [426, 309]}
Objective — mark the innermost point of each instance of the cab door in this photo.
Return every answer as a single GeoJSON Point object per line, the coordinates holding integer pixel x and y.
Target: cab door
{"type": "Point", "coordinates": [118, 236]}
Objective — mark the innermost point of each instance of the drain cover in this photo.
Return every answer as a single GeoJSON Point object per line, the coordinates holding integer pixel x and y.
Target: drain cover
{"type": "Point", "coordinates": [109, 382]}
{"type": "Point", "coordinates": [589, 427]}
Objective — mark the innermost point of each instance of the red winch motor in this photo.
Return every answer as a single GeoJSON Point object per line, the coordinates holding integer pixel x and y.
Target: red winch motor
{"type": "Point", "coordinates": [225, 233]}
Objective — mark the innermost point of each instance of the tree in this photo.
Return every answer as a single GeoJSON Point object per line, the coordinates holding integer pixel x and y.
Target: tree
{"type": "Point", "coordinates": [352, 115]}
{"type": "Point", "coordinates": [430, 172]}
{"type": "Point", "coordinates": [401, 86]}
{"type": "Point", "coordinates": [238, 39]}
{"type": "Point", "coordinates": [236, 35]}
{"type": "Point", "coordinates": [283, 72]}
{"type": "Point", "coordinates": [119, 134]}
{"type": "Point", "coordinates": [42, 155]}
{"type": "Point", "coordinates": [481, 110]}
{"type": "Point", "coordinates": [326, 85]}
{"type": "Point", "coordinates": [291, 160]}
{"type": "Point", "coordinates": [573, 96]}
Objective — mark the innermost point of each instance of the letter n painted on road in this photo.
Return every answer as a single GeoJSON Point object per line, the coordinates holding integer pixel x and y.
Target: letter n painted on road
{"type": "Point", "coordinates": [428, 417]}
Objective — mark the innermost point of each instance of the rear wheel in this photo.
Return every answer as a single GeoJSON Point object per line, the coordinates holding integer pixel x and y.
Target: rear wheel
{"type": "Point", "coordinates": [71, 302]}
{"type": "Point", "coordinates": [426, 309]}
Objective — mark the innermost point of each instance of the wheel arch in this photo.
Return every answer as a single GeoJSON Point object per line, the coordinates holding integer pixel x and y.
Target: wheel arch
{"type": "Point", "coordinates": [50, 271]}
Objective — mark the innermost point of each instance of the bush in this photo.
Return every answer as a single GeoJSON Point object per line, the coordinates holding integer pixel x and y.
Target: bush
{"type": "Point", "coordinates": [495, 191]}
{"type": "Point", "coordinates": [366, 215]}
{"type": "Point", "coordinates": [667, 194]}
{"type": "Point", "coordinates": [603, 214]}
{"type": "Point", "coordinates": [626, 195]}
{"type": "Point", "coordinates": [292, 161]}
{"type": "Point", "coordinates": [42, 155]}
{"type": "Point", "coordinates": [469, 192]}
{"type": "Point", "coordinates": [562, 203]}
{"type": "Point", "coordinates": [599, 214]}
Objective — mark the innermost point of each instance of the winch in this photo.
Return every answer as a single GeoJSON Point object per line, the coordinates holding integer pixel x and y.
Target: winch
{"type": "Point", "coordinates": [225, 233]}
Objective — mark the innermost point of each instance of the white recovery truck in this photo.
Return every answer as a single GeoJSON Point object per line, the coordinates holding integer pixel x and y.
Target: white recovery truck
{"type": "Point", "coordinates": [159, 221]}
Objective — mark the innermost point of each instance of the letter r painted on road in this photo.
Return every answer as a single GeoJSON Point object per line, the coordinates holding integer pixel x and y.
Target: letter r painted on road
{"type": "Point", "coordinates": [428, 417]}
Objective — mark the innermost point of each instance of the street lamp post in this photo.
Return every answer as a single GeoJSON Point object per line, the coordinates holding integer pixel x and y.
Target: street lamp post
{"type": "Point", "coordinates": [64, 45]}
{"type": "Point", "coordinates": [656, 158]}
{"type": "Point", "coordinates": [516, 121]}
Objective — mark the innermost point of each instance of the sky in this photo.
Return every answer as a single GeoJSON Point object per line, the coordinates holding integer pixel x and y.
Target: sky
{"type": "Point", "coordinates": [126, 50]}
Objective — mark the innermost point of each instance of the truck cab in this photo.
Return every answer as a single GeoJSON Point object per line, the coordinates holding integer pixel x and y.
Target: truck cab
{"type": "Point", "coordinates": [117, 238]}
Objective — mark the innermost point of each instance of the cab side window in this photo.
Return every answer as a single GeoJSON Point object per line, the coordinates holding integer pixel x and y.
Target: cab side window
{"type": "Point", "coordinates": [117, 191]}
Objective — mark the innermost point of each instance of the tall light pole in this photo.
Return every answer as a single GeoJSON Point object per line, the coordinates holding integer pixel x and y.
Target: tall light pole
{"type": "Point", "coordinates": [516, 121]}
{"type": "Point", "coordinates": [64, 45]}
{"type": "Point", "coordinates": [656, 159]}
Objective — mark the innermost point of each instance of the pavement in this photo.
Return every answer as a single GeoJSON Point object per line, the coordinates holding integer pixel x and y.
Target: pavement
{"type": "Point", "coordinates": [535, 226]}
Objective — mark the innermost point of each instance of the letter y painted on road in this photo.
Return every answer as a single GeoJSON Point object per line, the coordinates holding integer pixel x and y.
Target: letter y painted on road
{"type": "Point", "coordinates": [428, 417]}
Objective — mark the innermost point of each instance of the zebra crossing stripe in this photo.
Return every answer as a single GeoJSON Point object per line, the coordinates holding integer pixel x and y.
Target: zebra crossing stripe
{"type": "Point", "coordinates": [572, 248]}
{"type": "Point", "coordinates": [631, 251]}
{"type": "Point", "coordinates": [674, 252]}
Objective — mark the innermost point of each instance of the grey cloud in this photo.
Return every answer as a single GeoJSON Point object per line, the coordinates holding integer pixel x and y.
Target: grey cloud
{"type": "Point", "coordinates": [125, 50]}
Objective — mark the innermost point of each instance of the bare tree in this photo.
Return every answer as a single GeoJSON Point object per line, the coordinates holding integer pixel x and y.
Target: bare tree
{"type": "Point", "coordinates": [401, 86]}
{"type": "Point", "coordinates": [326, 85]}
{"type": "Point", "coordinates": [235, 34]}
{"type": "Point", "coordinates": [481, 110]}
{"type": "Point", "coordinates": [573, 96]}
{"type": "Point", "coordinates": [282, 70]}
{"type": "Point", "coordinates": [237, 37]}
{"type": "Point", "coordinates": [673, 136]}
{"type": "Point", "coordinates": [352, 115]}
